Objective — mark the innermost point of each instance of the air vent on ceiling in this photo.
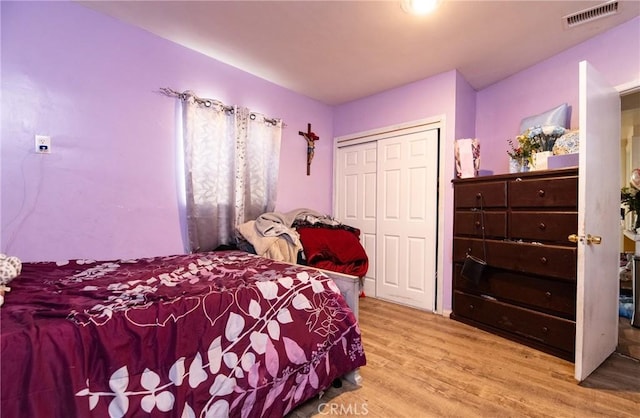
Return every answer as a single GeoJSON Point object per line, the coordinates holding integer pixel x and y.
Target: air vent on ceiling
{"type": "Point", "coordinates": [591, 14]}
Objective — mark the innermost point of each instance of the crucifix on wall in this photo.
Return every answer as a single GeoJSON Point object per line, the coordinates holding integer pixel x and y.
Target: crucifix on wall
{"type": "Point", "coordinates": [311, 139]}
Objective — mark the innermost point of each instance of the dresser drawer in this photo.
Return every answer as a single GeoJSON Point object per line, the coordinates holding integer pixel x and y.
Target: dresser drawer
{"type": "Point", "coordinates": [537, 326]}
{"type": "Point", "coordinates": [544, 193]}
{"type": "Point", "coordinates": [548, 295]}
{"type": "Point", "coordinates": [544, 260]}
{"type": "Point", "coordinates": [543, 226]}
{"type": "Point", "coordinates": [490, 194]}
{"type": "Point", "coordinates": [470, 223]}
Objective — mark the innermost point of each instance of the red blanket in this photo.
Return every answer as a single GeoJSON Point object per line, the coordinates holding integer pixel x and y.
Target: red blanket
{"type": "Point", "coordinates": [334, 249]}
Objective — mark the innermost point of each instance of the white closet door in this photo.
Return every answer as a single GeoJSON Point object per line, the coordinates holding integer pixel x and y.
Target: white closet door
{"type": "Point", "coordinates": [356, 198]}
{"type": "Point", "coordinates": [407, 218]}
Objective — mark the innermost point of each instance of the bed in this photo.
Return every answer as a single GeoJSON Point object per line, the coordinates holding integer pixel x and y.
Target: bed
{"type": "Point", "coordinates": [223, 333]}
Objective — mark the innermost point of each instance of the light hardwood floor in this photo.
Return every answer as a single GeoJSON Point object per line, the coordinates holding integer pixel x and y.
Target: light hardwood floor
{"type": "Point", "coordinates": [424, 365]}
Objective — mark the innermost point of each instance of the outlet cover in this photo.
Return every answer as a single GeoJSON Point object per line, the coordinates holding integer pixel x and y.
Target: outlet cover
{"type": "Point", "coordinates": [43, 144]}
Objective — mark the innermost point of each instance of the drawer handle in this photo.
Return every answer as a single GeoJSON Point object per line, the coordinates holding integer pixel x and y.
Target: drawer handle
{"type": "Point", "coordinates": [547, 295]}
{"type": "Point", "coordinates": [545, 330]}
{"type": "Point", "coordinates": [477, 224]}
{"type": "Point", "coordinates": [541, 193]}
{"type": "Point", "coordinates": [471, 307]}
{"type": "Point", "coordinates": [543, 260]}
{"type": "Point", "coordinates": [542, 226]}
{"type": "Point", "coordinates": [479, 195]}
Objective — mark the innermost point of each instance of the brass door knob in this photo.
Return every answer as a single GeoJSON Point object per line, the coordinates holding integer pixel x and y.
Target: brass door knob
{"type": "Point", "coordinates": [591, 239]}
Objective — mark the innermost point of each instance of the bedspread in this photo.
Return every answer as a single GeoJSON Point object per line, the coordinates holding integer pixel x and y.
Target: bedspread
{"type": "Point", "coordinates": [213, 334]}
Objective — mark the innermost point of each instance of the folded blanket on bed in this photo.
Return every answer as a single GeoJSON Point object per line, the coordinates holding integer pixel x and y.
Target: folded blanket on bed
{"type": "Point", "coordinates": [271, 224]}
{"type": "Point", "coordinates": [276, 224]}
{"type": "Point", "coordinates": [334, 249]}
{"type": "Point", "coordinates": [273, 247]}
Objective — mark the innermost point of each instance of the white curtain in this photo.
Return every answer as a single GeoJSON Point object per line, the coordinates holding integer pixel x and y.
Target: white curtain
{"type": "Point", "coordinates": [231, 159]}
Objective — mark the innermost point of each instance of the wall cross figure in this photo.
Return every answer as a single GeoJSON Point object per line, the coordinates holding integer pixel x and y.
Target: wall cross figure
{"type": "Point", "coordinates": [311, 139]}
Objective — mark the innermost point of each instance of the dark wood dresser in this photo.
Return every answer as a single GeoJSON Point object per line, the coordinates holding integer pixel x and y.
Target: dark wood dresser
{"type": "Point", "coordinates": [527, 292]}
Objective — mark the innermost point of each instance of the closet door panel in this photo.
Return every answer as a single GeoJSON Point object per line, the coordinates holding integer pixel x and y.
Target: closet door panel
{"type": "Point", "coordinates": [417, 253]}
{"type": "Point", "coordinates": [391, 253]}
{"type": "Point", "coordinates": [351, 196]}
{"type": "Point", "coordinates": [369, 203]}
{"type": "Point", "coordinates": [356, 184]}
{"type": "Point", "coordinates": [391, 185]}
{"type": "Point", "coordinates": [407, 197]}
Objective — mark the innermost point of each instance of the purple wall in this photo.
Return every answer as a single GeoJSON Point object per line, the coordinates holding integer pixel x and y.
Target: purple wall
{"type": "Point", "coordinates": [501, 107]}
{"type": "Point", "coordinates": [446, 95]}
{"type": "Point", "coordinates": [465, 110]}
{"type": "Point", "coordinates": [433, 96]}
{"type": "Point", "coordinates": [109, 188]}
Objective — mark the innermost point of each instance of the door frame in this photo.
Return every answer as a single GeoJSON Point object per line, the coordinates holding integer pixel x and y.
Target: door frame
{"type": "Point", "coordinates": [629, 87]}
{"type": "Point", "coordinates": [624, 89]}
{"type": "Point", "coordinates": [434, 122]}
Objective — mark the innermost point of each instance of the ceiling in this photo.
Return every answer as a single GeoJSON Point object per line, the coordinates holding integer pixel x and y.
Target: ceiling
{"type": "Point", "coordinates": [338, 51]}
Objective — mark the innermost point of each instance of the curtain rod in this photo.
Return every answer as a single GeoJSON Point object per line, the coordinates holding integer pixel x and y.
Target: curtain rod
{"type": "Point", "coordinates": [210, 102]}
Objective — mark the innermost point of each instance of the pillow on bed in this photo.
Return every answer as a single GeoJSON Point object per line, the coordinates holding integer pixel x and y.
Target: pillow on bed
{"type": "Point", "coordinates": [10, 268]}
{"type": "Point", "coordinates": [555, 117]}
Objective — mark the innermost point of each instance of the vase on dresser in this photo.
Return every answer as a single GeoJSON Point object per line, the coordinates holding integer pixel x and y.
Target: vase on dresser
{"type": "Point", "coordinates": [540, 160]}
{"type": "Point", "coordinates": [518, 165]}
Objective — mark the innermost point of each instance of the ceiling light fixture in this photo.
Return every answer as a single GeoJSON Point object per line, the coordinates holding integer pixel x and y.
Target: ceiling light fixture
{"type": "Point", "coordinates": [419, 7]}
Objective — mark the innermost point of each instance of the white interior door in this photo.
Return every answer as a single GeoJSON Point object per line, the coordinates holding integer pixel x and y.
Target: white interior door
{"type": "Point", "coordinates": [356, 198]}
{"type": "Point", "coordinates": [598, 215]}
{"type": "Point", "coordinates": [407, 218]}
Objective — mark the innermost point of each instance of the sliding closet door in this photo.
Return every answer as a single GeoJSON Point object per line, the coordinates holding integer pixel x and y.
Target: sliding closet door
{"type": "Point", "coordinates": [407, 204]}
{"type": "Point", "coordinates": [356, 198]}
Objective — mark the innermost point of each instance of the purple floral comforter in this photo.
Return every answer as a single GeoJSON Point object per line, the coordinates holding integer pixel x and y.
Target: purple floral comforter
{"type": "Point", "coordinates": [202, 335]}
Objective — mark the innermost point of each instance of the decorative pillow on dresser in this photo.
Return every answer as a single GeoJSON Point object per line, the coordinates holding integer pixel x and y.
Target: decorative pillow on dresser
{"type": "Point", "coordinates": [567, 143]}
{"type": "Point", "coordinates": [554, 117]}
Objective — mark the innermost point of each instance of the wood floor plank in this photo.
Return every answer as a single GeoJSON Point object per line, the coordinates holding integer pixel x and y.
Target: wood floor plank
{"type": "Point", "coordinates": [424, 365]}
